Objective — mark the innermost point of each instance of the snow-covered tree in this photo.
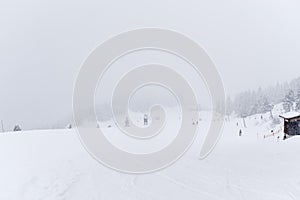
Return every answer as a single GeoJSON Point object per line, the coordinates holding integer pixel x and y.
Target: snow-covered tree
{"type": "Point", "coordinates": [288, 101]}
{"type": "Point", "coordinates": [266, 106]}
{"type": "Point", "coordinates": [229, 106]}
{"type": "Point", "coordinates": [297, 99]}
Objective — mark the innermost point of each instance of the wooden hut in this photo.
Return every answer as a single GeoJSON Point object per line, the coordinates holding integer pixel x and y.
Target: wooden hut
{"type": "Point", "coordinates": [291, 124]}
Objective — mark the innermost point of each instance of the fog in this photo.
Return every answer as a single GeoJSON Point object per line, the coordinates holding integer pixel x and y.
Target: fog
{"type": "Point", "coordinates": [43, 44]}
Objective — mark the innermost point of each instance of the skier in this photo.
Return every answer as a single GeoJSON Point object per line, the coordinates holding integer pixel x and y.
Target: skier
{"type": "Point", "coordinates": [145, 120]}
{"type": "Point", "coordinates": [240, 133]}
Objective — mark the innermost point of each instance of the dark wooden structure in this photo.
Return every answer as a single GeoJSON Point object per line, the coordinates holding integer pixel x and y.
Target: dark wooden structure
{"type": "Point", "coordinates": [291, 124]}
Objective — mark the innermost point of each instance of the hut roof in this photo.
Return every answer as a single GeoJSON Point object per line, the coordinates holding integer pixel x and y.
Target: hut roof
{"type": "Point", "coordinates": [290, 115]}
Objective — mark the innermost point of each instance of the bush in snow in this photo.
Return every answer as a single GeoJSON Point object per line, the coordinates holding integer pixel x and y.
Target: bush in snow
{"type": "Point", "coordinates": [17, 128]}
{"type": "Point", "coordinates": [69, 126]}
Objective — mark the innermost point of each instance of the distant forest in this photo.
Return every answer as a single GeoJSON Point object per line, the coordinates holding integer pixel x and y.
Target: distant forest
{"type": "Point", "coordinates": [263, 100]}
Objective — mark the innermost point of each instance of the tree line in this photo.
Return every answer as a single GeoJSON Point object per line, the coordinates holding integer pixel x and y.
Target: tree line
{"type": "Point", "coordinates": [263, 100]}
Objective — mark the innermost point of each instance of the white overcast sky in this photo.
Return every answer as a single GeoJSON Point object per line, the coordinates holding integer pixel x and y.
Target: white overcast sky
{"type": "Point", "coordinates": [43, 43]}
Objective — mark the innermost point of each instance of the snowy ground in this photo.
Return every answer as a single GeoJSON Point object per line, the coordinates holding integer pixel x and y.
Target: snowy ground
{"type": "Point", "coordinates": [52, 165]}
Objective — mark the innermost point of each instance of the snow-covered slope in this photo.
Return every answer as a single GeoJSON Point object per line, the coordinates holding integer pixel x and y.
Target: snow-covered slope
{"type": "Point", "coordinates": [53, 165]}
